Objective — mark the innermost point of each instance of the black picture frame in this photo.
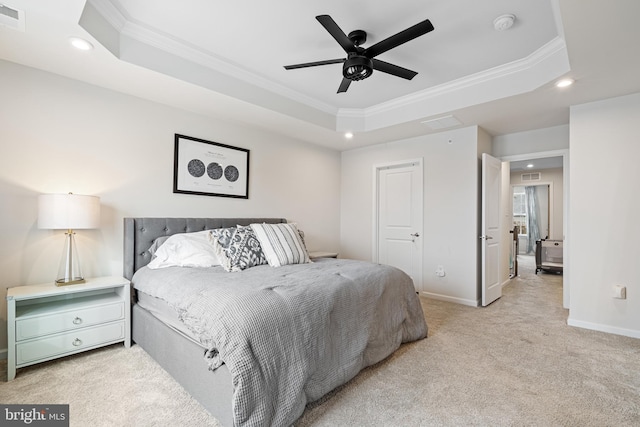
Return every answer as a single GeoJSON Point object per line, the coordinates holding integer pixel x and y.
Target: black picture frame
{"type": "Point", "coordinates": [208, 168]}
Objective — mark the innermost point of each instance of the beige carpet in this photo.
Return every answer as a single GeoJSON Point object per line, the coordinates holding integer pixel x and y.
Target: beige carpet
{"type": "Point", "coordinates": [514, 363]}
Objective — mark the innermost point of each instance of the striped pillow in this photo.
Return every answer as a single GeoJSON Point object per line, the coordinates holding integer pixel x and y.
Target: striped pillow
{"type": "Point", "coordinates": [281, 244]}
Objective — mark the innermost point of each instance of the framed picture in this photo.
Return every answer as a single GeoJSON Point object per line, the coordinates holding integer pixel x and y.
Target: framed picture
{"type": "Point", "coordinates": [210, 169]}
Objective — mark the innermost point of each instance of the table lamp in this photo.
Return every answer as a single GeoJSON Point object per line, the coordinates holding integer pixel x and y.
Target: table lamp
{"type": "Point", "coordinates": [68, 212]}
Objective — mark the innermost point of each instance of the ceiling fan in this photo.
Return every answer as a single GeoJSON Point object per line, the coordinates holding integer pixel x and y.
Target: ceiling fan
{"type": "Point", "coordinates": [360, 62]}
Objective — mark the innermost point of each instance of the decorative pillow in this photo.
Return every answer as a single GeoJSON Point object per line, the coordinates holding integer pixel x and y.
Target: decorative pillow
{"type": "Point", "coordinates": [281, 244]}
{"type": "Point", "coordinates": [184, 250]}
{"type": "Point", "coordinates": [237, 248]}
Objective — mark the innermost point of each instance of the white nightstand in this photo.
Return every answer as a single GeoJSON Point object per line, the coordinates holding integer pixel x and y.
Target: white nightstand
{"type": "Point", "coordinates": [322, 254]}
{"type": "Point", "coordinates": [45, 321]}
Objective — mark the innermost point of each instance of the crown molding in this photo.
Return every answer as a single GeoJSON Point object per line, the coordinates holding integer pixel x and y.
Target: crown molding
{"type": "Point", "coordinates": [156, 39]}
{"type": "Point", "coordinates": [460, 92]}
{"type": "Point", "coordinates": [114, 16]}
{"type": "Point", "coordinates": [547, 51]}
{"type": "Point", "coordinates": [507, 80]}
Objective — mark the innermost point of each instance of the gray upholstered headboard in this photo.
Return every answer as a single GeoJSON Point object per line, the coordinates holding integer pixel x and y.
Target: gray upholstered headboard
{"type": "Point", "coordinates": [139, 234]}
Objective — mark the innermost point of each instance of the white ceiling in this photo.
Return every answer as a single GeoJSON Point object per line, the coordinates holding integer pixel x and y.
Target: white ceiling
{"type": "Point", "coordinates": [226, 59]}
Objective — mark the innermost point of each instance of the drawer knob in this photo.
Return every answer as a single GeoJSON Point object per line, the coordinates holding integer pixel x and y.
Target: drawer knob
{"type": "Point", "coordinates": [77, 342]}
{"type": "Point", "coordinates": [77, 321]}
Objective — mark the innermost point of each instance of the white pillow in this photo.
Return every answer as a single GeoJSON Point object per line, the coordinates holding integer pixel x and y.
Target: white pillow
{"type": "Point", "coordinates": [281, 244]}
{"type": "Point", "coordinates": [186, 250]}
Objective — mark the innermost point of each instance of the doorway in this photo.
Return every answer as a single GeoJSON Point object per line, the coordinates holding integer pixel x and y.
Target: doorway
{"type": "Point", "coordinates": [546, 163]}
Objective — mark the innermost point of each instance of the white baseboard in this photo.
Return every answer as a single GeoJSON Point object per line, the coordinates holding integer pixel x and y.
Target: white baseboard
{"type": "Point", "coordinates": [604, 328]}
{"type": "Point", "coordinates": [471, 303]}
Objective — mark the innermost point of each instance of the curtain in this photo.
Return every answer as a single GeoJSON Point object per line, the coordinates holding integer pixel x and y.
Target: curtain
{"type": "Point", "coordinates": [533, 212]}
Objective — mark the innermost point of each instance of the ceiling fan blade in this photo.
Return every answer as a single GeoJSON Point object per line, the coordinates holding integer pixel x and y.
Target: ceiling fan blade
{"type": "Point", "coordinates": [396, 40]}
{"type": "Point", "coordinates": [330, 25]}
{"type": "Point", "coordinates": [344, 85]}
{"type": "Point", "coordinates": [314, 64]}
{"type": "Point", "coordinates": [395, 70]}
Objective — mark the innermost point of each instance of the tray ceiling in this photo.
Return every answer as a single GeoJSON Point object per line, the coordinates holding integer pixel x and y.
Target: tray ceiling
{"type": "Point", "coordinates": [226, 59]}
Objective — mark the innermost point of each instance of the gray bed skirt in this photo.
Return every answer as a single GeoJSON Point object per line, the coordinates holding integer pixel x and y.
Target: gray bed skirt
{"type": "Point", "coordinates": [184, 361]}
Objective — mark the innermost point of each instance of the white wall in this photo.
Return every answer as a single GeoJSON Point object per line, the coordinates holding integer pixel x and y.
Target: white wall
{"type": "Point", "coordinates": [603, 214]}
{"type": "Point", "coordinates": [450, 206]}
{"type": "Point", "coordinates": [60, 135]}
{"type": "Point", "coordinates": [532, 141]}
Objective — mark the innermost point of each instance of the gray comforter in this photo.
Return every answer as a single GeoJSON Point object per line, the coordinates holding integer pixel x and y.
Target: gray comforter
{"type": "Point", "coordinates": [291, 334]}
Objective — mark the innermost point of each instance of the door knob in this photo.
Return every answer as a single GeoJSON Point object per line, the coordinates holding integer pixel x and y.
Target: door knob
{"type": "Point", "coordinates": [415, 235]}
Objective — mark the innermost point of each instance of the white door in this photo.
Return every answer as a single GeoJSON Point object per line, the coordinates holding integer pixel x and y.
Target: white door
{"type": "Point", "coordinates": [491, 189]}
{"type": "Point", "coordinates": [399, 207]}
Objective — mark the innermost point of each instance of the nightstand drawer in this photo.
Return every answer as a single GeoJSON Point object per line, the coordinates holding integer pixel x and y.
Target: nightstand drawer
{"type": "Point", "coordinates": [38, 326]}
{"type": "Point", "coordinates": [70, 342]}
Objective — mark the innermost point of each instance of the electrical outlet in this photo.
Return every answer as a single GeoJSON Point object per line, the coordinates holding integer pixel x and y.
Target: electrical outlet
{"type": "Point", "coordinates": [620, 292]}
{"type": "Point", "coordinates": [440, 271]}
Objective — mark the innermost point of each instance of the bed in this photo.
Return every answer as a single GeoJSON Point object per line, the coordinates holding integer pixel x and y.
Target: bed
{"type": "Point", "coordinates": [255, 346]}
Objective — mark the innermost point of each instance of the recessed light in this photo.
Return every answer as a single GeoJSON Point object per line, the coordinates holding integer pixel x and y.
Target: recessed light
{"type": "Point", "coordinates": [79, 43]}
{"type": "Point", "coordinates": [564, 82]}
{"type": "Point", "coordinates": [530, 165]}
{"type": "Point", "coordinates": [348, 135]}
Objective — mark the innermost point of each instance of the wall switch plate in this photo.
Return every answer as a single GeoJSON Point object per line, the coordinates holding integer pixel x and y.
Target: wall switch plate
{"type": "Point", "coordinates": [620, 292]}
{"type": "Point", "coordinates": [440, 271]}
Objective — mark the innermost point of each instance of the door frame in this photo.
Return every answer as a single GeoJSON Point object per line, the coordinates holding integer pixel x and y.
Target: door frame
{"type": "Point", "coordinates": [566, 270]}
{"type": "Point", "coordinates": [376, 216]}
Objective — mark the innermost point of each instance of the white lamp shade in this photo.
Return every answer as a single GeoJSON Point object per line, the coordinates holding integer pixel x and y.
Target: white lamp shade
{"type": "Point", "coordinates": [68, 211]}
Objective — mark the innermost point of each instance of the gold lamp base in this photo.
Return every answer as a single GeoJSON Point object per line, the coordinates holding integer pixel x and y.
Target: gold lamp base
{"type": "Point", "coordinates": [65, 282]}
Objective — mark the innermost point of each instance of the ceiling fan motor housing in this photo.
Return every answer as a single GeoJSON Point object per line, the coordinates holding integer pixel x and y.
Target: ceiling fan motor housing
{"type": "Point", "coordinates": [358, 37]}
{"type": "Point", "coordinates": [357, 67]}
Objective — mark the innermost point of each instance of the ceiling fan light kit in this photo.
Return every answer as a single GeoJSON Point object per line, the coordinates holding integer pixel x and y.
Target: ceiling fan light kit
{"type": "Point", "coordinates": [357, 67]}
{"type": "Point", "coordinates": [360, 62]}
